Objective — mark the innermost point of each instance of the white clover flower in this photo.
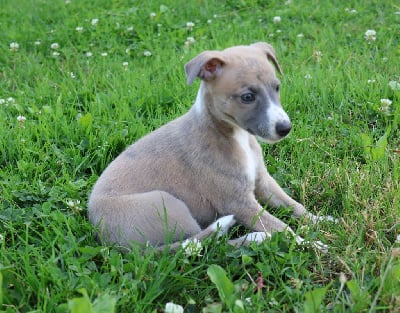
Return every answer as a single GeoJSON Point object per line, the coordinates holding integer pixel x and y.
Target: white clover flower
{"type": "Point", "coordinates": [21, 119]}
{"type": "Point", "coordinates": [104, 54]}
{"type": "Point", "coordinates": [125, 65]}
{"type": "Point", "coordinates": [14, 46]}
{"type": "Point", "coordinates": [370, 35]}
{"type": "Point", "coordinates": [353, 11]}
{"type": "Point", "coordinates": [209, 21]}
{"type": "Point", "coordinates": [55, 53]}
{"type": "Point", "coordinates": [300, 35]}
{"type": "Point", "coordinates": [153, 15]}
{"type": "Point", "coordinates": [130, 29]}
{"type": "Point", "coordinates": [147, 53]}
{"type": "Point", "coordinates": [385, 106]}
{"type": "Point", "coordinates": [371, 81]}
{"type": "Point", "coordinates": [394, 85]}
{"type": "Point", "coordinates": [89, 54]}
{"type": "Point", "coordinates": [37, 43]}
{"type": "Point", "coordinates": [171, 307]}
{"type": "Point", "coordinates": [277, 19]}
{"type": "Point", "coordinates": [318, 55]}
{"type": "Point", "coordinates": [94, 21]}
{"type": "Point", "coordinates": [55, 46]}
{"type": "Point", "coordinates": [3, 101]}
{"type": "Point", "coordinates": [192, 247]}
{"type": "Point", "coordinates": [79, 29]}
{"type": "Point", "coordinates": [189, 26]}
{"type": "Point", "coordinates": [72, 75]}
{"type": "Point", "coordinates": [10, 100]}
{"type": "Point", "coordinates": [74, 205]}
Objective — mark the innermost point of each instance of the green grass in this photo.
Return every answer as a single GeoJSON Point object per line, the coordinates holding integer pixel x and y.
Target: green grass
{"type": "Point", "coordinates": [342, 157]}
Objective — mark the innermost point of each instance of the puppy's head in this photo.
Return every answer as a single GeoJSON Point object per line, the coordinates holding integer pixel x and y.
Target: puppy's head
{"type": "Point", "coordinates": [242, 89]}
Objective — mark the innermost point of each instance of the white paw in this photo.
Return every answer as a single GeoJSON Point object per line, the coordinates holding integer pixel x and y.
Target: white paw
{"type": "Point", "coordinates": [257, 237]}
{"type": "Point", "coordinates": [316, 218]}
{"type": "Point", "coordinates": [315, 244]}
{"type": "Point", "coordinates": [223, 224]}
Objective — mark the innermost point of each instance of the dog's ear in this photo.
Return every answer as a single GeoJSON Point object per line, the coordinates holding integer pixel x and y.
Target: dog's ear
{"type": "Point", "coordinates": [270, 52]}
{"type": "Point", "coordinates": [206, 66]}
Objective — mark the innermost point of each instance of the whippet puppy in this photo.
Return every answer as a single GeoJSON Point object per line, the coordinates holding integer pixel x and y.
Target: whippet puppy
{"type": "Point", "coordinates": [204, 171]}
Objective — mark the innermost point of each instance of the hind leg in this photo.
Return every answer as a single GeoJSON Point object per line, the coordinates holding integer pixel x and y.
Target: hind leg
{"type": "Point", "coordinates": [154, 217]}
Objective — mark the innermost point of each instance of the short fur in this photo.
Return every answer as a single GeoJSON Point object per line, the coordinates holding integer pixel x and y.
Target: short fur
{"type": "Point", "coordinates": [175, 182]}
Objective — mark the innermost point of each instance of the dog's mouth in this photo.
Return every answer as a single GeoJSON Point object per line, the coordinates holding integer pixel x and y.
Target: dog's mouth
{"type": "Point", "coordinates": [250, 131]}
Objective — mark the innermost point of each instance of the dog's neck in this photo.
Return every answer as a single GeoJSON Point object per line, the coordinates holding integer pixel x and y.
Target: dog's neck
{"type": "Point", "coordinates": [204, 110]}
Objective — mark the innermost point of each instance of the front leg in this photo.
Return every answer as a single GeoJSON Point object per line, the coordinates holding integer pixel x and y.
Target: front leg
{"type": "Point", "coordinates": [268, 191]}
{"type": "Point", "coordinates": [252, 215]}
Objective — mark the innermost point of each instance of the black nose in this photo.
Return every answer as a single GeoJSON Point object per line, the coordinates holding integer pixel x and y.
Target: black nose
{"type": "Point", "coordinates": [283, 128]}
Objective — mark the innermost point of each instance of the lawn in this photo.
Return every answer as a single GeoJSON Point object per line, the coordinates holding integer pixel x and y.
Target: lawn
{"type": "Point", "coordinates": [80, 80]}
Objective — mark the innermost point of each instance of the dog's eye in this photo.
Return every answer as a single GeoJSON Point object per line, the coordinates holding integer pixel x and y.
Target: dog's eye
{"type": "Point", "coordinates": [248, 97]}
{"type": "Point", "coordinates": [277, 88]}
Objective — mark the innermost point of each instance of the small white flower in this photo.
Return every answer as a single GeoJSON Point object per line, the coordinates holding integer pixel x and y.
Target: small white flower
{"type": "Point", "coordinates": [189, 41]}
{"type": "Point", "coordinates": [385, 106]}
{"type": "Point", "coordinates": [10, 100]}
{"type": "Point", "coordinates": [125, 65]}
{"type": "Point", "coordinates": [209, 21]}
{"type": "Point", "coordinates": [2, 101]}
{"type": "Point", "coordinates": [353, 11]}
{"type": "Point", "coordinates": [55, 53]}
{"type": "Point", "coordinates": [1, 238]}
{"type": "Point", "coordinates": [67, 1]}
{"type": "Point", "coordinates": [189, 26]}
{"type": "Point", "coordinates": [79, 29]}
{"type": "Point", "coordinates": [130, 28]}
{"type": "Point", "coordinates": [21, 118]}
{"type": "Point", "coordinates": [171, 307]}
{"type": "Point", "coordinates": [55, 46]}
{"type": "Point", "coordinates": [94, 21]}
{"type": "Point", "coordinates": [370, 35]}
{"type": "Point", "coordinates": [277, 19]}
{"type": "Point", "coordinates": [89, 54]}
{"type": "Point", "coordinates": [37, 43]}
{"type": "Point", "coordinates": [278, 31]}
{"type": "Point", "coordinates": [385, 59]}
{"type": "Point", "coordinates": [394, 85]}
{"type": "Point", "coordinates": [147, 53]}
{"type": "Point", "coordinates": [104, 54]}
{"type": "Point", "coordinates": [14, 46]}
{"type": "Point", "coordinates": [153, 15]}
{"type": "Point", "coordinates": [192, 247]}
{"type": "Point", "coordinates": [72, 75]}
{"type": "Point", "coordinates": [74, 205]}
{"type": "Point", "coordinates": [398, 238]}
{"type": "Point", "coordinates": [371, 81]}
{"type": "Point", "coordinates": [300, 35]}
{"type": "Point", "coordinates": [318, 55]}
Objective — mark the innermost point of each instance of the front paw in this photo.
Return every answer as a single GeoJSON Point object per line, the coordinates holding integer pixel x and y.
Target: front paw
{"type": "Point", "coordinates": [318, 245]}
{"type": "Point", "coordinates": [320, 218]}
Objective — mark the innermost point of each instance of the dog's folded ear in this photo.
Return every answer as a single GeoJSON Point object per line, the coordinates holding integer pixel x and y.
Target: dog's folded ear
{"type": "Point", "coordinates": [270, 52]}
{"type": "Point", "coordinates": [206, 66]}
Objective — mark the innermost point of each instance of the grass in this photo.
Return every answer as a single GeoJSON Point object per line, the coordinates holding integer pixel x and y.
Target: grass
{"type": "Point", "coordinates": [82, 108]}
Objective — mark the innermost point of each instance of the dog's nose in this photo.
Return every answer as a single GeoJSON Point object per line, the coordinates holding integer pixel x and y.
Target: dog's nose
{"type": "Point", "coordinates": [283, 128]}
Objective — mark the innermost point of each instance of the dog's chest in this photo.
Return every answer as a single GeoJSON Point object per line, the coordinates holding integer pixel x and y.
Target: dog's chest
{"type": "Point", "coordinates": [250, 160]}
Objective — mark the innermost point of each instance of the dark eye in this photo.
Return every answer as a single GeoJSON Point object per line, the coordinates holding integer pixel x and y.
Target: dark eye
{"type": "Point", "coordinates": [277, 88]}
{"type": "Point", "coordinates": [248, 97]}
